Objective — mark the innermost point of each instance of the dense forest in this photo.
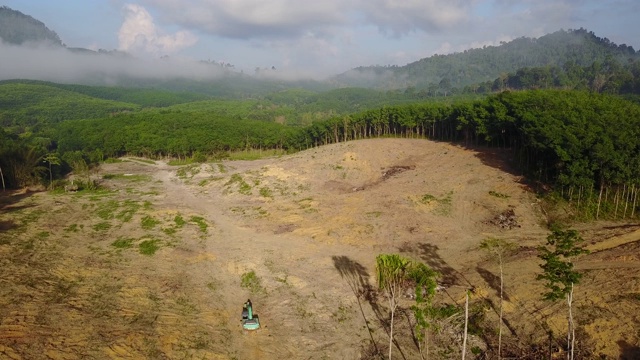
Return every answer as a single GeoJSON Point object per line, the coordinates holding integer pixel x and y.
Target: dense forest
{"type": "Point", "coordinates": [585, 144]}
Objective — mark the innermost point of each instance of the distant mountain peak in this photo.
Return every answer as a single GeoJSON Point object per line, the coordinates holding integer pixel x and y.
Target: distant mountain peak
{"type": "Point", "coordinates": [18, 29]}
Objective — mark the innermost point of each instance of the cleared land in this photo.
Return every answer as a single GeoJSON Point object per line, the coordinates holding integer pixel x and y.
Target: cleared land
{"type": "Point", "coordinates": [159, 264]}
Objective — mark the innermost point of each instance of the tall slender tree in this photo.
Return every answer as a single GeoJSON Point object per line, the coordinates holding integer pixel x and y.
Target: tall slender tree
{"type": "Point", "coordinates": [558, 274]}
{"type": "Point", "coordinates": [497, 250]}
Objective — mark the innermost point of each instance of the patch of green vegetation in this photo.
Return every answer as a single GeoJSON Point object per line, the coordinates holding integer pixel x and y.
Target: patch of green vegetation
{"type": "Point", "coordinates": [42, 235]}
{"type": "Point", "coordinates": [243, 187]}
{"type": "Point", "coordinates": [103, 226]}
{"type": "Point", "coordinates": [149, 247]}
{"type": "Point", "coordinates": [255, 154]}
{"type": "Point", "coordinates": [252, 282]}
{"type": "Point", "coordinates": [373, 214]}
{"type": "Point", "coordinates": [130, 209]}
{"type": "Point", "coordinates": [95, 195]}
{"type": "Point", "coordinates": [499, 195]}
{"type": "Point", "coordinates": [221, 168]}
{"type": "Point", "coordinates": [261, 212]}
{"type": "Point", "coordinates": [204, 182]}
{"type": "Point", "coordinates": [201, 222]}
{"type": "Point", "coordinates": [31, 217]}
{"type": "Point", "coordinates": [179, 220]}
{"type": "Point", "coordinates": [72, 228]}
{"type": "Point", "coordinates": [188, 171]}
{"type": "Point", "coordinates": [443, 206]}
{"type": "Point", "coordinates": [427, 198]}
{"type": "Point", "coordinates": [122, 243]}
{"type": "Point", "coordinates": [148, 222]}
{"type": "Point", "coordinates": [147, 205]}
{"type": "Point", "coordinates": [266, 192]}
{"type": "Point", "coordinates": [170, 231]}
{"type": "Point", "coordinates": [106, 210]}
{"type": "Point", "coordinates": [128, 177]}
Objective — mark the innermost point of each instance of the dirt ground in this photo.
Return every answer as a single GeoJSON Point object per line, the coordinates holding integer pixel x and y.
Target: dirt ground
{"type": "Point", "coordinates": [158, 264]}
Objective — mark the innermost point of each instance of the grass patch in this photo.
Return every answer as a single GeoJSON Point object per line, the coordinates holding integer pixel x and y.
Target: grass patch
{"type": "Point", "coordinates": [149, 222]}
{"type": "Point", "coordinates": [170, 231]}
{"type": "Point", "coordinates": [188, 171]}
{"type": "Point", "coordinates": [103, 226]}
{"type": "Point", "coordinates": [72, 228]}
{"type": "Point", "coordinates": [499, 195]}
{"type": "Point", "coordinates": [130, 208]}
{"type": "Point", "coordinates": [252, 282]}
{"type": "Point", "coordinates": [266, 192]}
{"type": "Point", "coordinates": [106, 210]}
{"type": "Point", "coordinates": [179, 220]}
{"type": "Point", "coordinates": [146, 161]}
{"type": "Point", "coordinates": [243, 187]}
{"type": "Point", "coordinates": [252, 154]}
{"type": "Point", "coordinates": [128, 177]}
{"type": "Point", "coordinates": [122, 243]}
{"type": "Point", "coordinates": [201, 222]}
{"type": "Point", "coordinates": [149, 247]}
{"type": "Point", "coordinates": [221, 168]}
{"type": "Point", "coordinates": [442, 206]}
{"type": "Point", "coordinates": [373, 214]}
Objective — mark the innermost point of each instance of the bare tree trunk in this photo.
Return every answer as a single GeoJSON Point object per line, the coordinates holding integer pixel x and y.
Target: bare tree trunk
{"type": "Point", "coordinates": [466, 325]}
{"type": "Point", "coordinates": [626, 202]}
{"type": "Point", "coordinates": [501, 297]}
{"type": "Point", "coordinates": [393, 310]}
{"type": "Point", "coordinates": [599, 201]}
{"type": "Point", "coordinates": [2, 177]}
{"type": "Point", "coordinates": [635, 198]}
{"type": "Point", "coordinates": [572, 329]}
{"type": "Point", "coordinates": [617, 201]}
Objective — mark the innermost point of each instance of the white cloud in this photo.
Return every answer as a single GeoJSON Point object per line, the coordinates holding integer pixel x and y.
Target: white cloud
{"type": "Point", "coordinates": [139, 33]}
{"type": "Point", "coordinates": [245, 19]}
{"type": "Point", "coordinates": [403, 16]}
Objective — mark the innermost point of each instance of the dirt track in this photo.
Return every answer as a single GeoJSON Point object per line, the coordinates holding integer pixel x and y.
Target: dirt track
{"type": "Point", "coordinates": [309, 226]}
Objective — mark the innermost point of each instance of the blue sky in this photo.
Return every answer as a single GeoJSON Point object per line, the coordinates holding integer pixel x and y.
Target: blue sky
{"type": "Point", "coordinates": [325, 37]}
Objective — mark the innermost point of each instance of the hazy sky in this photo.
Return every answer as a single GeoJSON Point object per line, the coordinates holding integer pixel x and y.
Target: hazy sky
{"type": "Point", "coordinates": [321, 37]}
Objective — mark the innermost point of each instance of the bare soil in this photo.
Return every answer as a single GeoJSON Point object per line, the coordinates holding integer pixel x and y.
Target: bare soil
{"type": "Point", "coordinates": [80, 278]}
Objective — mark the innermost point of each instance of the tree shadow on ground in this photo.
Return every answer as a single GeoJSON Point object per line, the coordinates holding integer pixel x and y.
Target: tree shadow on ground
{"type": "Point", "coordinates": [429, 254]}
{"type": "Point", "coordinates": [357, 278]}
{"type": "Point", "coordinates": [628, 351]}
{"type": "Point", "coordinates": [8, 204]}
{"type": "Point", "coordinates": [493, 281]}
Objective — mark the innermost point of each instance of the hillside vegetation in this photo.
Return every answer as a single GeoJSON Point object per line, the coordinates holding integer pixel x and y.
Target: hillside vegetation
{"type": "Point", "coordinates": [18, 28]}
{"type": "Point", "coordinates": [473, 66]}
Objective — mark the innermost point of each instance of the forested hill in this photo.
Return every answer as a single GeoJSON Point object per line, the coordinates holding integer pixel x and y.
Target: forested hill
{"type": "Point", "coordinates": [18, 28]}
{"type": "Point", "coordinates": [580, 47]}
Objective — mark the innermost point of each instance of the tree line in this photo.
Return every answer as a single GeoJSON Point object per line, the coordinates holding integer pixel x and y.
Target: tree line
{"type": "Point", "coordinates": [585, 144]}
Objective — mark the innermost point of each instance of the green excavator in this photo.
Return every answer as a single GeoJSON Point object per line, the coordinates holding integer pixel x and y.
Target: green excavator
{"type": "Point", "coordinates": [249, 320]}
